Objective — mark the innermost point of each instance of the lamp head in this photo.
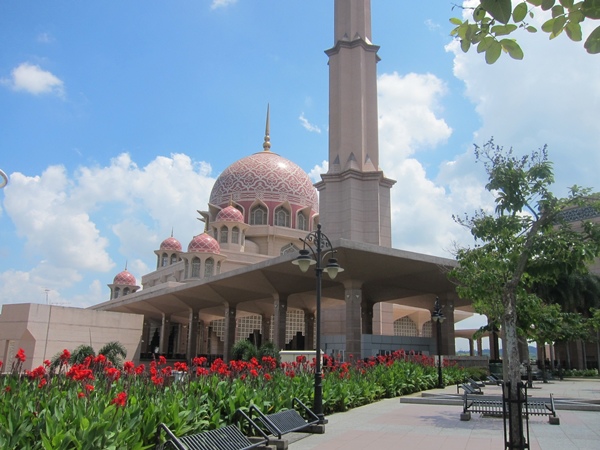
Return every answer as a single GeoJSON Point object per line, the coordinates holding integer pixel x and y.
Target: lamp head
{"type": "Point", "coordinates": [304, 261]}
{"type": "Point", "coordinates": [333, 268]}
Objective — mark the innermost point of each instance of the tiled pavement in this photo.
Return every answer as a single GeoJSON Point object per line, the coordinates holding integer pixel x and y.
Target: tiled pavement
{"type": "Point", "coordinates": [391, 424]}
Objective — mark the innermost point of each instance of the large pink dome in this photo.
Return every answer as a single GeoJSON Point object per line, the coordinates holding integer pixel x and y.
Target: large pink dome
{"type": "Point", "coordinates": [230, 214]}
{"type": "Point", "coordinates": [266, 176]}
{"type": "Point", "coordinates": [126, 278]}
{"type": "Point", "coordinates": [171, 243]}
{"type": "Point", "coordinates": [204, 243]}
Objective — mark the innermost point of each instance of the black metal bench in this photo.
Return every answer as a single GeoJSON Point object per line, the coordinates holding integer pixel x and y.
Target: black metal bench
{"type": "Point", "coordinates": [287, 420]}
{"type": "Point", "coordinates": [469, 389]}
{"type": "Point", "coordinates": [493, 406]}
{"type": "Point", "coordinates": [226, 438]}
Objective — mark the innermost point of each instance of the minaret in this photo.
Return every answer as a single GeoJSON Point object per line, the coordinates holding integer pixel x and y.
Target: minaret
{"type": "Point", "coordinates": [354, 200]}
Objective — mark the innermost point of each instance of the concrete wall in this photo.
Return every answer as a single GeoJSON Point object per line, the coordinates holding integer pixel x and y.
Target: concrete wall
{"type": "Point", "coordinates": [45, 330]}
{"type": "Point", "coordinates": [373, 345]}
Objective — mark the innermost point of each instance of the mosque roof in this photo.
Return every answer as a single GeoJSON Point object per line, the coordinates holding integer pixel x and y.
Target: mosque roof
{"type": "Point", "coordinates": [230, 214]}
{"type": "Point", "coordinates": [125, 277]}
{"type": "Point", "coordinates": [204, 243]}
{"type": "Point", "coordinates": [171, 243]}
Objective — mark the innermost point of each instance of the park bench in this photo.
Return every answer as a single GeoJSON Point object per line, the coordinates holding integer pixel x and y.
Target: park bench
{"type": "Point", "coordinates": [286, 421]}
{"type": "Point", "coordinates": [493, 406]}
{"type": "Point", "coordinates": [494, 380]}
{"type": "Point", "coordinates": [469, 389]}
{"type": "Point", "coordinates": [226, 438]}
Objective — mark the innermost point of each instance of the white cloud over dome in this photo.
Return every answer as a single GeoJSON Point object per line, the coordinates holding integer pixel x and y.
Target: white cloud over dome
{"type": "Point", "coordinates": [34, 80]}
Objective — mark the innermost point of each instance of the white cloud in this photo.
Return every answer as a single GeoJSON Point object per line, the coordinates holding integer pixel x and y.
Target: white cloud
{"type": "Point", "coordinates": [309, 126]}
{"type": "Point", "coordinates": [222, 3]}
{"type": "Point", "coordinates": [32, 79]}
{"type": "Point", "coordinates": [69, 222]}
{"type": "Point", "coordinates": [315, 173]}
{"type": "Point", "coordinates": [45, 38]}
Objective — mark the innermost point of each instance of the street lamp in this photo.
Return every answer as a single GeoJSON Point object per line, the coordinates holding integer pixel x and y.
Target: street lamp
{"type": "Point", "coordinates": [320, 246]}
{"type": "Point", "coordinates": [438, 318]}
{"type": "Point", "coordinates": [3, 179]}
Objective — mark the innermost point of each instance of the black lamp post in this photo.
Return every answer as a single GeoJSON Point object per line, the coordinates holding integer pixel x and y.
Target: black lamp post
{"type": "Point", "coordinates": [438, 318]}
{"type": "Point", "coordinates": [320, 246]}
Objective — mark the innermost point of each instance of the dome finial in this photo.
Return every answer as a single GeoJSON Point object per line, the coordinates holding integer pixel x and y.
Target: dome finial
{"type": "Point", "coordinates": [267, 143]}
{"type": "Point", "coordinates": [171, 231]}
{"type": "Point", "coordinates": [125, 264]}
{"type": "Point", "coordinates": [231, 200]}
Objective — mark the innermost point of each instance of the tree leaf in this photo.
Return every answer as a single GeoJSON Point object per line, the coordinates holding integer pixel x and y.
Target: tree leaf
{"type": "Point", "coordinates": [513, 49]}
{"type": "Point", "coordinates": [478, 14]}
{"type": "Point", "coordinates": [573, 30]}
{"type": "Point", "coordinates": [591, 9]}
{"type": "Point", "coordinates": [456, 21]}
{"type": "Point", "coordinates": [534, 2]}
{"type": "Point", "coordinates": [592, 43]}
{"type": "Point", "coordinates": [547, 4]}
{"type": "Point", "coordinates": [548, 25]}
{"type": "Point", "coordinates": [493, 52]}
{"type": "Point", "coordinates": [557, 10]}
{"type": "Point", "coordinates": [567, 3]}
{"type": "Point", "coordinates": [531, 29]}
{"type": "Point", "coordinates": [503, 30]}
{"type": "Point", "coordinates": [558, 26]}
{"type": "Point", "coordinates": [520, 12]}
{"type": "Point", "coordinates": [465, 45]}
{"type": "Point", "coordinates": [498, 9]}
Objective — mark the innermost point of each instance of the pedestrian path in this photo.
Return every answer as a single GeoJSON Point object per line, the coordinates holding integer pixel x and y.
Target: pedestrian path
{"type": "Point", "coordinates": [392, 424]}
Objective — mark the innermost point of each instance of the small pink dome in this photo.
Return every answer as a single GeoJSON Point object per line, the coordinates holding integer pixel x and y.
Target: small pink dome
{"type": "Point", "coordinates": [171, 243]}
{"type": "Point", "coordinates": [204, 243]}
{"type": "Point", "coordinates": [126, 278]}
{"type": "Point", "coordinates": [230, 214]}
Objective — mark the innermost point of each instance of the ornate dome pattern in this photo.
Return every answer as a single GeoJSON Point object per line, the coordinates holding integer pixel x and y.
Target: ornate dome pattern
{"type": "Point", "coordinates": [204, 243]}
{"type": "Point", "coordinates": [230, 214]}
{"type": "Point", "coordinates": [126, 278]}
{"type": "Point", "coordinates": [267, 176]}
{"type": "Point", "coordinates": [171, 244]}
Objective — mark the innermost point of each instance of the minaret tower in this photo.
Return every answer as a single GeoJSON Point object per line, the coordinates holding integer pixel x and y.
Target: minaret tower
{"type": "Point", "coordinates": [354, 198]}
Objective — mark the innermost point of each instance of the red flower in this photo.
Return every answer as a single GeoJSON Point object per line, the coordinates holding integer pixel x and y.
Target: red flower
{"type": "Point", "coordinates": [254, 373]}
{"type": "Point", "coordinates": [89, 387]}
{"type": "Point", "coordinates": [181, 366]}
{"type": "Point", "coordinates": [100, 359]}
{"type": "Point", "coordinates": [199, 361]}
{"type": "Point", "coordinates": [201, 371]}
{"type": "Point", "coordinates": [0, 364]}
{"type": "Point", "coordinates": [66, 355]}
{"type": "Point", "coordinates": [267, 377]}
{"type": "Point", "coordinates": [128, 367]}
{"type": "Point", "coordinates": [120, 399]}
{"type": "Point", "coordinates": [162, 360]}
{"type": "Point", "coordinates": [46, 362]}
{"type": "Point", "coordinates": [81, 395]}
{"type": "Point", "coordinates": [158, 381]}
{"type": "Point", "coordinates": [140, 369]}
{"type": "Point", "coordinates": [7, 389]}
{"type": "Point", "coordinates": [42, 383]}
{"type": "Point", "coordinates": [112, 373]}
{"type": "Point", "coordinates": [20, 355]}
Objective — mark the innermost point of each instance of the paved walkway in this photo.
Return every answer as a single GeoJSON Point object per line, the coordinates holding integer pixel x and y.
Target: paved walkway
{"type": "Point", "coordinates": [390, 424]}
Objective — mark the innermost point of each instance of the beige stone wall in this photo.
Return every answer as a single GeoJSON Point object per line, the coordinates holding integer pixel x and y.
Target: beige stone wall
{"type": "Point", "coordinates": [45, 330]}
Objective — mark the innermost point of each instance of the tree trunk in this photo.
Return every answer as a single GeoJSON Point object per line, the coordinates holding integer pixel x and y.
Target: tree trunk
{"type": "Point", "coordinates": [584, 354]}
{"type": "Point", "coordinates": [511, 340]}
{"type": "Point", "coordinates": [568, 346]}
{"type": "Point", "coordinates": [598, 350]}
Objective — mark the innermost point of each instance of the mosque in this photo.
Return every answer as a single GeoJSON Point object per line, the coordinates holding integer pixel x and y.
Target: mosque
{"type": "Point", "coordinates": [236, 280]}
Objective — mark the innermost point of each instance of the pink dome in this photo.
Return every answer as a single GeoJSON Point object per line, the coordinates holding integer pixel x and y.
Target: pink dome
{"type": "Point", "coordinates": [171, 243]}
{"type": "Point", "coordinates": [230, 214]}
{"type": "Point", "coordinates": [204, 243]}
{"type": "Point", "coordinates": [126, 278]}
{"type": "Point", "coordinates": [267, 176]}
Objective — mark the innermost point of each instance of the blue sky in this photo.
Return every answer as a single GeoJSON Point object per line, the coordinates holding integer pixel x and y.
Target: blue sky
{"type": "Point", "coordinates": [117, 117]}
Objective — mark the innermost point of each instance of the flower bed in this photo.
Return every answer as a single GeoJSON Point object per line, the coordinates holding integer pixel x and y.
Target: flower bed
{"type": "Point", "coordinates": [94, 405]}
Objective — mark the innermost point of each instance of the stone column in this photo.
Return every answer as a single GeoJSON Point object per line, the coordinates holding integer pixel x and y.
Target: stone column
{"type": "Point", "coordinates": [164, 334]}
{"type": "Point", "coordinates": [265, 328]}
{"type": "Point", "coordinates": [353, 297]}
{"type": "Point", "coordinates": [192, 344]}
{"type": "Point", "coordinates": [366, 313]}
{"type": "Point", "coordinates": [279, 320]}
{"type": "Point", "coordinates": [309, 333]}
{"type": "Point", "coordinates": [230, 314]}
{"type": "Point", "coordinates": [479, 346]}
{"type": "Point", "coordinates": [448, 342]}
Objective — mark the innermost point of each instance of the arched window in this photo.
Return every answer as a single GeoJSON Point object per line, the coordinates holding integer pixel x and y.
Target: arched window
{"type": "Point", "coordinates": [195, 267]}
{"type": "Point", "coordinates": [173, 258]}
{"type": "Point", "coordinates": [302, 222]}
{"type": "Point", "coordinates": [258, 215]}
{"type": "Point", "coordinates": [209, 266]}
{"type": "Point", "coordinates": [288, 248]}
{"type": "Point", "coordinates": [117, 292]}
{"type": "Point", "coordinates": [235, 235]}
{"type": "Point", "coordinates": [282, 217]}
{"type": "Point", "coordinates": [224, 235]}
{"type": "Point", "coordinates": [125, 291]}
{"type": "Point", "coordinates": [216, 234]}
{"type": "Point", "coordinates": [164, 260]}
{"type": "Point", "coordinates": [219, 267]}
{"type": "Point", "coordinates": [186, 269]}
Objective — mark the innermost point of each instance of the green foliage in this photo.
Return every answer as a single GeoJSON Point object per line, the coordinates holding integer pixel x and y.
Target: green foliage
{"type": "Point", "coordinates": [244, 350]}
{"type": "Point", "coordinates": [492, 19]}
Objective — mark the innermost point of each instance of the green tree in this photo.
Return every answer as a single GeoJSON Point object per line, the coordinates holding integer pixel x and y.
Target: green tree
{"type": "Point", "coordinates": [493, 21]}
{"type": "Point", "coordinates": [525, 241]}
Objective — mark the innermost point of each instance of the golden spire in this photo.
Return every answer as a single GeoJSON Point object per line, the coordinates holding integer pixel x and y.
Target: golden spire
{"type": "Point", "coordinates": [267, 143]}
